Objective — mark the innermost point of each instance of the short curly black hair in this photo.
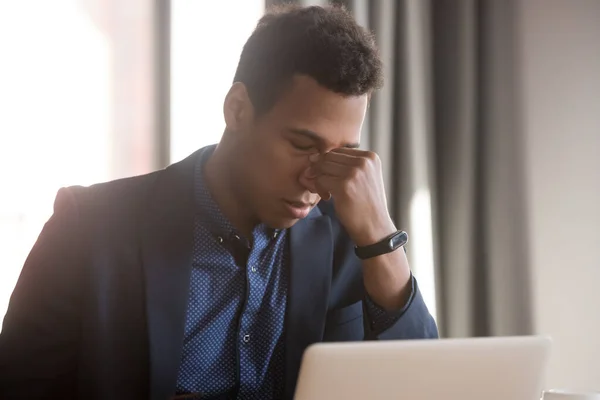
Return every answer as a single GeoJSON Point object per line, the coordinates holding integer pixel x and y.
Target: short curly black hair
{"type": "Point", "coordinates": [324, 43]}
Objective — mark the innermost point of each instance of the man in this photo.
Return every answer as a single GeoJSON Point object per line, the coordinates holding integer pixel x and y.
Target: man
{"type": "Point", "coordinates": [214, 275]}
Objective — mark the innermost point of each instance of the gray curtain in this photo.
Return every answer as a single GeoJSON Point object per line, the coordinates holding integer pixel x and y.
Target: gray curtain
{"type": "Point", "coordinates": [447, 128]}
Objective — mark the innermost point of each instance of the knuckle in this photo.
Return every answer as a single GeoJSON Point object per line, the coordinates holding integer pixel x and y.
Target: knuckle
{"type": "Point", "coordinates": [371, 155]}
{"type": "Point", "coordinates": [348, 188]}
{"type": "Point", "coordinates": [363, 162]}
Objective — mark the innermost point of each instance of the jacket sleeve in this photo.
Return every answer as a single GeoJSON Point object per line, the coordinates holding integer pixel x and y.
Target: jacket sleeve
{"type": "Point", "coordinates": [413, 321]}
{"type": "Point", "coordinates": [38, 342]}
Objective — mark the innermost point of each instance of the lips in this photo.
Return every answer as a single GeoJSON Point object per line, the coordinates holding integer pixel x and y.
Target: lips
{"type": "Point", "coordinates": [296, 209]}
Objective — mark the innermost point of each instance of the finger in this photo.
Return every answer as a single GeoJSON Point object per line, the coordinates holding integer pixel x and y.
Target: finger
{"type": "Point", "coordinates": [340, 158]}
{"type": "Point", "coordinates": [309, 181]}
{"type": "Point", "coordinates": [352, 152]}
{"type": "Point", "coordinates": [358, 157]}
{"type": "Point", "coordinates": [330, 168]}
{"type": "Point", "coordinates": [321, 190]}
{"type": "Point", "coordinates": [328, 186]}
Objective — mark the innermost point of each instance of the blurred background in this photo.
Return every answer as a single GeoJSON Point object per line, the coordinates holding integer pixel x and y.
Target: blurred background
{"type": "Point", "coordinates": [488, 128]}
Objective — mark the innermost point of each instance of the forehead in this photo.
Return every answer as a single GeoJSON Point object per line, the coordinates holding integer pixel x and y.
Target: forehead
{"type": "Point", "coordinates": [306, 105]}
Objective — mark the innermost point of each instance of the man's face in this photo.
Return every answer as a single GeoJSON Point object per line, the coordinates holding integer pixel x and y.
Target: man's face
{"type": "Point", "coordinates": [274, 149]}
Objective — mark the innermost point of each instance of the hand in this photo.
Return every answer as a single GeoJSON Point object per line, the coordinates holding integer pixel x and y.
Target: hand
{"type": "Point", "coordinates": [353, 178]}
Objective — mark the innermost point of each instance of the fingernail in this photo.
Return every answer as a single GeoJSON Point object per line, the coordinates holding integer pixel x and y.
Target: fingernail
{"type": "Point", "coordinates": [314, 157]}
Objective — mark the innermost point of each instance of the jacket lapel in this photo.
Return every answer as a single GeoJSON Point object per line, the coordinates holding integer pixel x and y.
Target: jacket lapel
{"type": "Point", "coordinates": [166, 256]}
{"type": "Point", "coordinates": [311, 252]}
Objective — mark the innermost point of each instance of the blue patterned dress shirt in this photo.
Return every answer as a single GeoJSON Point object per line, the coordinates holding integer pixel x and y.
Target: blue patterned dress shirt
{"type": "Point", "coordinates": [234, 331]}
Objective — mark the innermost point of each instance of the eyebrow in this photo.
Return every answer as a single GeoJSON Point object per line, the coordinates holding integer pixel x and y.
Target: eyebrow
{"type": "Point", "coordinates": [318, 138]}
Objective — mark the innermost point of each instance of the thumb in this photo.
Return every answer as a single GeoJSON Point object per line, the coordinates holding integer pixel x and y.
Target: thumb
{"type": "Point", "coordinates": [308, 180]}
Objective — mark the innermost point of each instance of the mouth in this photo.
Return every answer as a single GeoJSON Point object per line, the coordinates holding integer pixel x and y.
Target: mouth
{"type": "Point", "coordinates": [298, 209]}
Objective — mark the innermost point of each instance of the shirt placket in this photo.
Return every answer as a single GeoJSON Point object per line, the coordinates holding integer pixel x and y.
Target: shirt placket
{"type": "Point", "coordinates": [247, 335]}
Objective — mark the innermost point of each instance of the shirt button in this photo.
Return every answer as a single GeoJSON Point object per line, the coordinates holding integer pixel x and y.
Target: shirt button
{"type": "Point", "coordinates": [253, 269]}
{"type": "Point", "coordinates": [237, 237]}
{"type": "Point", "coordinates": [219, 239]}
{"type": "Point", "coordinates": [275, 234]}
{"type": "Point", "coordinates": [246, 338]}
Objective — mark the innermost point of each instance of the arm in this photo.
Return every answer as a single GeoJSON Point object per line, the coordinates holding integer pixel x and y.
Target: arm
{"type": "Point", "coordinates": [38, 343]}
{"type": "Point", "coordinates": [394, 306]}
{"type": "Point", "coordinates": [411, 321]}
{"type": "Point", "coordinates": [387, 277]}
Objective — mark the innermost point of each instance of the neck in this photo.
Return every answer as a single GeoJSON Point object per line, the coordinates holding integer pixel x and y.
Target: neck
{"type": "Point", "coordinates": [218, 174]}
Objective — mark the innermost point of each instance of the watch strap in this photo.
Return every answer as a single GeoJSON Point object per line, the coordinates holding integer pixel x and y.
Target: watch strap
{"type": "Point", "coordinates": [384, 246]}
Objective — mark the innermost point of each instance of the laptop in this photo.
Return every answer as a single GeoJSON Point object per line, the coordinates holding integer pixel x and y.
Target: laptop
{"type": "Point", "coordinates": [498, 368]}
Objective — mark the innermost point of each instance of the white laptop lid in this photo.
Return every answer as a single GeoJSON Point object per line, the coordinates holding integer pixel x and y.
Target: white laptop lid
{"type": "Point", "coordinates": [501, 368]}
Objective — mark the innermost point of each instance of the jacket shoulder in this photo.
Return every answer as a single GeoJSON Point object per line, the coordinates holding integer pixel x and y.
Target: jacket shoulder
{"type": "Point", "coordinates": [135, 190]}
{"type": "Point", "coordinates": [122, 189]}
{"type": "Point", "coordinates": [112, 195]}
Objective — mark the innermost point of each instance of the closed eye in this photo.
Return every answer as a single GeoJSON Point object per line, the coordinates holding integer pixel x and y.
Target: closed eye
{"type": "Point", "coordinates": [302, 147]}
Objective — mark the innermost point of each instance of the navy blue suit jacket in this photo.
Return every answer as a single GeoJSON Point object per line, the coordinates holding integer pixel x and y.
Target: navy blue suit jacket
{"type": "Point", "coordinates": [99, 309]}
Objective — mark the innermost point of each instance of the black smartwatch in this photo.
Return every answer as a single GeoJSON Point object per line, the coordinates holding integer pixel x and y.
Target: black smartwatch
{"type": "Point", "coordinates": [384, 246]}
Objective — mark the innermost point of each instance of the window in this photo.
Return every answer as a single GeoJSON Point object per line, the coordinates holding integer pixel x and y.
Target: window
{"type": "Point", "coordinates": [75, 99]}
{"type": "Point", "coordinates": [55, 113]}
{"type": "Point", "coordinates": [206, 42]}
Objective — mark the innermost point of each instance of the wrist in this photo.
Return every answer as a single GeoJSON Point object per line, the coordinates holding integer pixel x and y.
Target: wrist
{"type": "Point", "coordinates": [374, 233]}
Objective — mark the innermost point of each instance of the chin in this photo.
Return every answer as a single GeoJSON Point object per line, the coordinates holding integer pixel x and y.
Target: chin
{"type": "Point", "coordinates": [281, 223]}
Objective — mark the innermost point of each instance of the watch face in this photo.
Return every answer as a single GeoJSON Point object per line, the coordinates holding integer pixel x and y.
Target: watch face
{"type": "Point", "coordinates": [399, 240]}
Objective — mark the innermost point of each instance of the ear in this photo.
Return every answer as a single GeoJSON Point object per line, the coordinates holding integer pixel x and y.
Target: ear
{"type": "Point", "coordinates": [237, 108]}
